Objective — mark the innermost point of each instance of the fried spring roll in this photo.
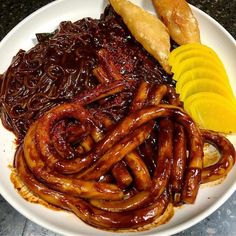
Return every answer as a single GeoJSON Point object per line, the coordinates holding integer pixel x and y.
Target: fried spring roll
{"type": "Point", "coordinates": [147, 30]}
{"type": "Point", "coordinates": [179, 19]}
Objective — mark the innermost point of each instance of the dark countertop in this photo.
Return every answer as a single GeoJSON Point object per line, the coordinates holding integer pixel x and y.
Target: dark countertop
{"type": "Point", "coordinates": [222, 222]}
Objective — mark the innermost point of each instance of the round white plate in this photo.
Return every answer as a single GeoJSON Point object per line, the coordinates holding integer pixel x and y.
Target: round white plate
{"type": "Point", "coordinates": [46, 20]}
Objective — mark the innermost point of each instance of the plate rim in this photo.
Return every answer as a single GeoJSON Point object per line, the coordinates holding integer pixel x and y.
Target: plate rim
{"type": "Point", "coordinates": [173, 230]}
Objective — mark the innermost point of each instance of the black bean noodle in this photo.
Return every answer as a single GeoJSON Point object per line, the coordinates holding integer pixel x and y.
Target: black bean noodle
{"type": "Point", "coordinates": [61, 65]}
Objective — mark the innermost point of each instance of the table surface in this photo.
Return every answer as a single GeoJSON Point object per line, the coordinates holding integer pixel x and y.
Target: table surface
{"type": "Point", "coordinates": [221, 222]}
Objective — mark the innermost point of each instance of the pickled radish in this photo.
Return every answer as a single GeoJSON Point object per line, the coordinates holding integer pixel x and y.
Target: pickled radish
{"type": "Point", "coordinates": [198, 73]}
{"type": "Point", "coordinates": [186, 48]}
{"type": "Point", "coordinates": [199, 62]}
{"type": "Point", "coordinates": [194, 52]}
{"type": "Point", "coordinates": [196, 57]}
{"type": "Point", "coordinates": [204, 87]}
{"type": "Point", "coordinates": [212, 111]}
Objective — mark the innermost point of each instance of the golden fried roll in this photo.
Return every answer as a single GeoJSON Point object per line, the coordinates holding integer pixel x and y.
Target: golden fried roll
{"type": "Point", "coordinates": [147, 30]}
{"type": "Point", "coordinates": [179, 19]}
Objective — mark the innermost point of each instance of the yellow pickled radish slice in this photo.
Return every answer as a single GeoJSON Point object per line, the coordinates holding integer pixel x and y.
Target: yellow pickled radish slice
{"type": "Point", "coordinates": [195, 63]}
{"type": "Point", "coordinates": [198, 73]}
{"type": "Point", "coordinates": [187, 47]}
{"type": "Point", "coordinates": [205, 85]}
{"type": "Point", "coordinates": [212, 111]}
{"type": "Point", "coordinates": [206, 95]}
{"type": "Point", "coordinates": [195, 55]}
{"type": "Point", "coordinates": [192, 52]}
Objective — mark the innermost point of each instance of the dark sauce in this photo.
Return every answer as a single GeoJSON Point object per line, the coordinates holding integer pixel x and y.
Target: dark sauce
{"type": "Point", "coordinates": [60, 66]}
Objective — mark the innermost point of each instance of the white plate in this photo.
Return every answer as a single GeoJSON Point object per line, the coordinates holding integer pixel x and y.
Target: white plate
{"type": "Point", "coordinates": [47, 19]}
